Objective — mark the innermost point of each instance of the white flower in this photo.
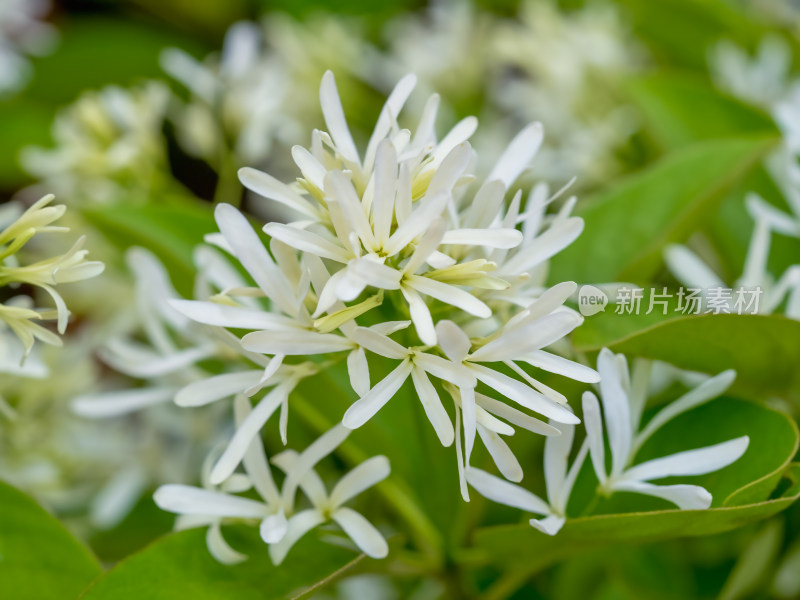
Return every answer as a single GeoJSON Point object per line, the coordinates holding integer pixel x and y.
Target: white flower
{"type": "Point", "coordinates": [624, 397]}
{"type": "Point", "coordinates": [109, 144]}
{"type": "Point", "coordinates": [693, 272]}
{"type": "Point", "coordinates": [237, 98]}
{"type": "Point", "coordinates": [211, 505]}
{"type": "Point", "coordinates": [558, 478]}
{"type": "Point", "coordinates": [397, 234]}
{"type": "Point", "coordinates": [329, 506]}
{"type": "Point", "coordinates": [45, 274]}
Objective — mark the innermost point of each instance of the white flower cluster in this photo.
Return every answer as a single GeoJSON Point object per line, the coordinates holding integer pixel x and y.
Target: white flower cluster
{"type": "Point", "coordinates": [109, 143]}
{"type": "Point", "coordinates": [624, 396]}
{"type": "Point", "coordinates": [763, 80]}
{"type": "Point", "coordinates": [449, 273]}
{"type": "Point", "coordinates": [281, 524]}
{"type": "Point", "coordinates": [402, 231]}
{"type": "Point", "coordinates": [19, 313]}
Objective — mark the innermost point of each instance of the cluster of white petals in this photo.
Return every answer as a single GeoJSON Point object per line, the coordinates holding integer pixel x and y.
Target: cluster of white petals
{"type": "Point", "coordinates": [108, 144]}
{"type": "Point", "coordinates": [624, 396]}
{"type": "Point", "coordinates": [451, 270]}
{"type": "Point", "coordinates": [19, 313]}
{"type": "Point", "coordinates": [281, 521]}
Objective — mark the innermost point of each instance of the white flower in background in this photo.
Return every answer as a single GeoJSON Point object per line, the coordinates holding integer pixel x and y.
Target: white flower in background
{"type": "Point", "coordinates": [624, 395]}
{"type": "Point", "coordinates": [108, 145]}
{"type": "Point", "coordinates": [22, 32]}
{"type": "Point", "coordinates": [755, 291]}
{"type": "Point", "coordinates": [238, 99]}
{"type": "Point", "coordinates": [565, 69]}
{"type": "Point", "coordinates": [401, 218]}
{"type": "Point", "coordinates": [19, 313]}
{"type": "Point", "coordinates": [281, 524]}
{"type": "Point", "coordinates": [762, 79]}
{"type": "Point", "coordinates": [558, 477]}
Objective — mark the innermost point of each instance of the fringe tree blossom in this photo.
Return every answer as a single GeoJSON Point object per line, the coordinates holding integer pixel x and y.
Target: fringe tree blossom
{"type": "Point", "coordinates": [559, 480]}
{"type": "Point", "coordinates": [281, 523]}
{"type": "Point", "coordinates": [19, 312]}
{"type": "Point", "coordinates": [109, 145]}
{"type": "Point", "coordinates": [623, 397]}
{"type": "Point", "coordinates": [693, 272]}
{"type": "Point", "coordinates": [399, 232]}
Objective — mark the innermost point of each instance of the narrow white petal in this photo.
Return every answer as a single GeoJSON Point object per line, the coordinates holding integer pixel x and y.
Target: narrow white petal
{"type": "Point", "coordinates": [501, 454]}
{"type": "Point", "coordinates": [549, 525]}
{"type": "Point", "coordinates": [594, 433]}
{"type": "Point", "coordinates": [523, 395]}
{"type": "Point", "coordinates": [514, 416]}
{"type": "Point", "coordinates": [491, 238]}
{"type": "Point", "coordinates": [378, 343]}
{"type": "Point", "coordinates": [453, 341]}
{"type": "Point", "coordinates": [335, 120]}
{"type": "Point", "coordinates": [685, 497]}
{"type": "Point", "coordinates": [529, 338]}
{"type": "Point", "coordinates": [273, 528]}
{"type": "Point", "coordinates": [220, 549]}
{"type": "Point", "coordinates": [205, 391]}
{"type": "Point", "coordinates": [189, 500]}
{"type": "Point", "coordinates": [115, 404]}
{"type": "Point", "coordinates": [221, 315]}
{"type": "Point", "coordinates": [365, 475]}
{"type": "Point", "coordinates": [561, 366]}
{"type": "Point", "coordinates": [375, 274]}
{"type": "Point", "coordinates": [450, 170]}
{"type": "Point", "coordinates": [302, 467]}
{"type": "Point", "coordinates": [266, 185]}
{"type": "Point", "coordinates": [468, 411]}
{"type": "Point", "coordinates": [295, 342]}
{"type": "Point", "coordinates": [689, 269]}
{"type": "Point", "coordinates": [385, 188]}
{"type": "Point", "coordinates": [255, 459]}
{"type": "Point", "coordinates": [363, 409]}
{"type": "Point", "coordinates": [459, 134]}
{"type": "Point", "coordinates": [307, 241]}
{"type": "Point", "coordinates": [616, 409]}
{"type": "Point", "coordinates": [339, 188]}
{"type": "Point", "coordinates": [690, 462]}
{"type": "Point", "coordinates": [518, 155]}
{"type": "Point", "coordinates": [246, 432]}
{"type": "Point", "coordinates": [311, 168]}
{"type": "Point", "coordinates": [504, 492]}
{"type": "Point", "coordinates": [362, 532]}
{"type": "Point", "coordinates": [544, 246]}
{"type": "Point", "coordinates": [254, 257]}
{"type": "Point", "coordinates": [420, 316]}
{"type": "Point", "coordinates": [358, 371]}
{"type": "Point", "coordinates": [556, 453]}
{"type": "Point", "coordinates": [434, 409]}
{"type": "Point", "coordinates": [449, 294]}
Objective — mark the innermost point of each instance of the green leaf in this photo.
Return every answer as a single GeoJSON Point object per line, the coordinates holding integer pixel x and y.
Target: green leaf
{"type": "Point", "coordinates": [39, 559]}
{"type": "Point", "coordinates": [628, 225]}
{"type": "Point", "coordinates": [681, 109]}
{"type": "Point", "coordinates": [179, 566]}
{"type": "Point", "coordinates": [764, 349]}
{"type": "Point", "coordinates": [171, 231]}
{"type": "Point", "coordinates": [523, 548]}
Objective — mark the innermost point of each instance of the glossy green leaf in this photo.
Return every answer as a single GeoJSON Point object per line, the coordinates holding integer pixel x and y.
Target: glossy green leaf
{"type": "Point", "coordinates": [171, 231]}
{"type": "Point", "coordinates": [522, 547]}
{"type": "Point", "coordinates": [39, 558]}
{"type": "Point", "coordinates": [179, 566]}
{"type": "Point", "coordinates": [681, 109]}
{"type": "Point", "coordinates": [628, 225]}
{"type": "Point", "coordinates": [764, 349]}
